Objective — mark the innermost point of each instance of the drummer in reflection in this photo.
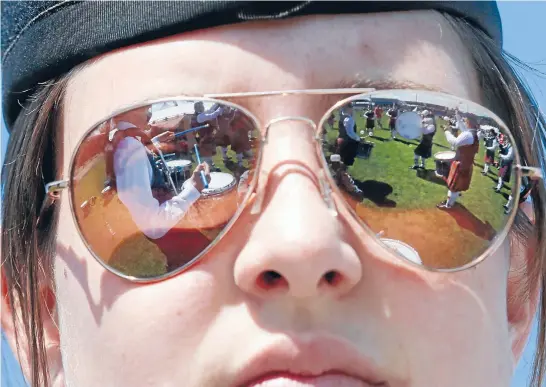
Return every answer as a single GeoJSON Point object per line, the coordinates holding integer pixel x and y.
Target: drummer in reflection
{"type": "Point", "coordinates": [137, 183]}
{"type": "Point", "coordinates": [466, 146]}
{"type": "Point", "coordinates": [424, 149]}
{"type": "Point", "coordinates": [347, 140]}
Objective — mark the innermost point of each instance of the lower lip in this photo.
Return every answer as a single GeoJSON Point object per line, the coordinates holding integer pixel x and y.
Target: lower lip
{"type": "Point", "coordinates": [328, 380]}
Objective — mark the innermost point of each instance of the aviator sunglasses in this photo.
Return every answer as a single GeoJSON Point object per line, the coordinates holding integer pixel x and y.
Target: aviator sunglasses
{"type": "Point", "coordinates": [434, 178]}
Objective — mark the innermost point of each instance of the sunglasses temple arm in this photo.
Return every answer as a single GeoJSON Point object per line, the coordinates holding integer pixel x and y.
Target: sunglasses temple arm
{"type": "Point", "coordinates": [533, 173]}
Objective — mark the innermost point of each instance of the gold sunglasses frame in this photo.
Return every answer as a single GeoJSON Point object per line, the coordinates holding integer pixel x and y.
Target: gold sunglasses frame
{"type": "Point", "coordinates": [53, 188]}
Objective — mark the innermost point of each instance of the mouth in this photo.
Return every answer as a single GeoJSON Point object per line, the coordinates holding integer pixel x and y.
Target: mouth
{"type": "Point", "coordinates": [318, 361]}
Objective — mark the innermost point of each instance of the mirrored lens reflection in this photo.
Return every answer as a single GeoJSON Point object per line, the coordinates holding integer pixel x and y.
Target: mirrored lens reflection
{"type": "Point", "coordinates": [154, 186]}
{"type": "Point", "coordinates": [432, 175]}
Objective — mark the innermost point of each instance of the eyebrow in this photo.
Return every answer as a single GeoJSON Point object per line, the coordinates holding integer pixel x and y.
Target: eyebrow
{"type": "Point", "coordinates": [385, 84]}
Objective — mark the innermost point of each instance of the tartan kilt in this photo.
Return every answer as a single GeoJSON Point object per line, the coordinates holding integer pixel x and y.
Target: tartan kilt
{"type": "Point", "coordinates": [505, 171]}
{"type": "Point", "coordinates": [459, 178]}
{"type": "Point", "coordinates": [207, 147]}
{"type": "Point", "coordinates": [240, 142]}
{"type": "Point", "coordinates": [222, 140]}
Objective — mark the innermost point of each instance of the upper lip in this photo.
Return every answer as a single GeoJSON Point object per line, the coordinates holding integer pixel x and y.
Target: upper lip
{"type": "Point", "coordinates": [312, 356]}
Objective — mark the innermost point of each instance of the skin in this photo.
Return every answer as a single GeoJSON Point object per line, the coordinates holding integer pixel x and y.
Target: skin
{"type": "Point", "coordinates": [420, 328]}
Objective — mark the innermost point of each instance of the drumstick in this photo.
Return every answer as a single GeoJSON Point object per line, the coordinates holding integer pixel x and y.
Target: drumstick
{"type": "Point", "coordinates": [191, 130]}
{"type": "Point", "coordinates": [203, 177]}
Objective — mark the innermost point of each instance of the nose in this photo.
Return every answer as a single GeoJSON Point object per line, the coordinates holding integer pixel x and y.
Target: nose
{"type": "Point", "coordinates": [296, 246]}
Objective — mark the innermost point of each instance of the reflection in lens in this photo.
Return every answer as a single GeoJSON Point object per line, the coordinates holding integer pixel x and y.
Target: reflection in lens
{"type": "Point", "coordinates": [431, 174]}
{"type": "Point", "coordinates": [144, 204]}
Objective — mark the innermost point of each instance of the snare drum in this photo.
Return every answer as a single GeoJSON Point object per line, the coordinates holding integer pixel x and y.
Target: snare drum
{"type": "Point", "coordinates": [403, 249]}
{"type": "Point", "coordinates": [443, 163]}
{"type": "Point", "coordinates": [216, 206]}
{"type": "Point", "coordinates": [364, 150]}
{"type": "Point", "coordinates": [180, 170]}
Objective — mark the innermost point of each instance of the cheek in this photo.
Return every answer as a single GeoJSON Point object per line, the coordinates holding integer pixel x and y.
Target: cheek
{"type": "Point", "coordinates": [111, 325]}
{"type": "Point", "coordinates": [458, 319]}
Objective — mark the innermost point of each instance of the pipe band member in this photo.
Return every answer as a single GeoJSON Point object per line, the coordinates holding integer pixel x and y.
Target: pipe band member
{"type": "Point", "coordinates": [466, 145]}
{"type": "Point", "coordinates": [392, 114]}
{"type": "Point", "coordinates": [424, 149]}
{"type": "Point", "coordinates": [348, 140]}
{"type": "Point", "coordinates": [370, 122]}
{"type": "Point", "coordinates": [506, 156]}
{"type": "Point", "coordinates": [207, 146]}
{"type": "Point", "coordinates": [491, 145]}
{"type": "Point", "coordinates": [378, 112]}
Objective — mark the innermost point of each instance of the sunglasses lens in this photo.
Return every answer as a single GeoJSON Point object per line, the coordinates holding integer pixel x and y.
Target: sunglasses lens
{"type": "Point", "coordinates": [431, 174]}
{"type": "Point", "coordinates": [153, 187]}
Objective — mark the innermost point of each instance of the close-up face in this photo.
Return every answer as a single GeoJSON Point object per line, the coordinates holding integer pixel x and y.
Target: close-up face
{"type": "Point", "coordinates": [293, 290]}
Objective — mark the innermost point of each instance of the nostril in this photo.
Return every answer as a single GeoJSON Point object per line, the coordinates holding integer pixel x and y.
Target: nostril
{"type": "Point", "coordinates": [271, 279]}
{"type": "Point", "coordinates": [332, 277]}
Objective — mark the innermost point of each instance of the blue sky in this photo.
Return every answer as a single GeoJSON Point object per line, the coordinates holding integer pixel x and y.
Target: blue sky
{"type": "Point", "coordinates": [524, 36]}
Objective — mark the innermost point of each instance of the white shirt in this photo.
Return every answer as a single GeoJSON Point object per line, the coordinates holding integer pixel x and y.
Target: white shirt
{"type": "Point", "coordinates": [463, 139]}
{"type": "Point", "coordinates": [428, 125]}
{"type": "Point", "coordinates": [349, 124]}
{"type": "Point", "coordinates": [134, 178]}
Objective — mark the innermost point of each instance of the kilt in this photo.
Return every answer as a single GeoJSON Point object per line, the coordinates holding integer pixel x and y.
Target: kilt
{"type": "Point", "coordinates": [207, 147]}
{"type": "Point", "coordinates": [392, 123]}
{"type": "Point", "coordinates": [505, 171]}
{"type": "Point", "coordinates": [347, 150]}
{"type": "Point", "coordinates": [240, 142]}
{"type": "Point", "coordinates": [489, 156]}
{"type": "Point", "coordinates": [222, 139]}
{"type": "Point", "coordinates": [459, 178]}
{"type": "Point", "coordinates": [424, 149]}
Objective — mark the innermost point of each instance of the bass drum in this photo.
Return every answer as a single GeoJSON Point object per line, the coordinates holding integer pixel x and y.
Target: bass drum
{"type": "Point", "coordinates": [409, 125]}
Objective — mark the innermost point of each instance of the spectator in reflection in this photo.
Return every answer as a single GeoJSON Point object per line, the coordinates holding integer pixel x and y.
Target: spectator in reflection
{"type": "Point", "coordinates": [136, 180]}
{"type": "Point", "coordinates": [466, 145]}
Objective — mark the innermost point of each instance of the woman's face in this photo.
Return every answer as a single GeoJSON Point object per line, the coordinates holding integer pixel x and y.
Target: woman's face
{"type": "Point", "coordinates": [217, 324]}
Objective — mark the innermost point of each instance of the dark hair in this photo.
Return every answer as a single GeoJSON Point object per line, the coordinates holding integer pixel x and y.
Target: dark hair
{"type": "Point", "coordinates": [31, 161]}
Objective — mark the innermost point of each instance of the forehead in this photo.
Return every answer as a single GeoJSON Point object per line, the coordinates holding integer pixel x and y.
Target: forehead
{"type": "Point", "coordinates": [416, 47]}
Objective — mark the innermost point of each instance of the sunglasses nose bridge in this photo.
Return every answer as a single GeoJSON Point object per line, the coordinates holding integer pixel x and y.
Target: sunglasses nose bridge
{"type": "Point", "coordinates": [324, 186]}
{"type": "Point", "coordinates": [277, 120]}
